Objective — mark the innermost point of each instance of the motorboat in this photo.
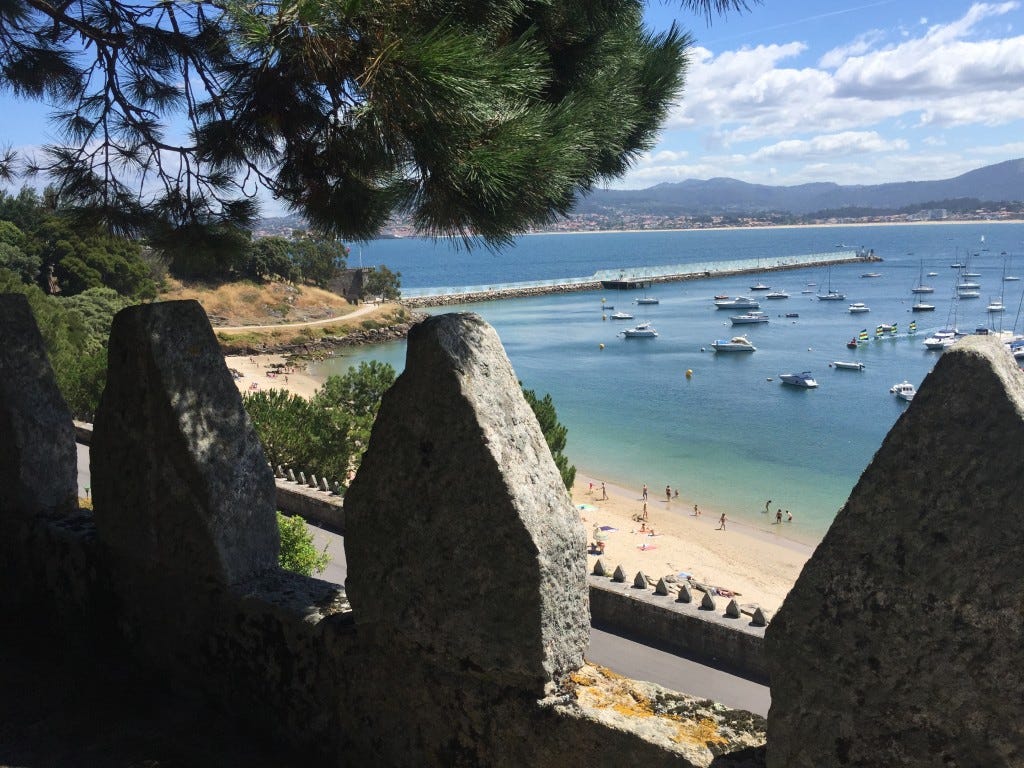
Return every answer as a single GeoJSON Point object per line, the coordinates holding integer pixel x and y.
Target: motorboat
{"type": "Point", "coordinates": [858, 307]}
{"type": "Point", "coordinates": [739, 302]}
{"type": "Point", "coordinates": [641, 331]}
{"type": "Point", "coordinates": [777, 295]}
{"type": "Point", "coordinates": [735, 344]}
{"type": "Point", "coordinates": [995, 305]}
{"type": "Point", "coordinates": [749, 318]}
{"type": "Point", "coordinates": [792, 314]}
{"type": "Point", "coordinates": [933, 274]}
{"type": "Point", "coordinates": [904, 390]}
{"type": "Point", "coordinates": [872, 274]}
{"type": "Point", "coordinates": [760, 287]}
{"type": "Point", "coordinates": [843, 365]}
{"type": "Point", "coordinates": [720, 296]}
{"type": "Point", "coordinates": [968, 294]}
{"type": "Point", "coordinates": [852, 343]}
{"type": "Point", "coordinates": [622, 316]}
{"type": "Point", "coordinates": [922, 306]}
{"type": "Point", "coordinates": [648, 300]}
{"type": "Point", "coordinates": [967, 285]}
{"type": "Point", "coordinates": [803, 380]}
{"type": "Point", "coordinates": [940, 340]}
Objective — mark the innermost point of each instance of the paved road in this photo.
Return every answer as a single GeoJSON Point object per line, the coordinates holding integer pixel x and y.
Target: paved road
{"type": "Point", "coordinates": [619, 654]}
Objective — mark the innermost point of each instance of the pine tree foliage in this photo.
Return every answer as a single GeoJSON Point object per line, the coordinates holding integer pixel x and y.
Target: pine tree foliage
{"type": "Point", "coordinates": [474, 118]}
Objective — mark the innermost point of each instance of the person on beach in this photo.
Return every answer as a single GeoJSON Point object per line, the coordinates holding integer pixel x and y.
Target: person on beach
{"type": "Point", "coordinates": [668, 493]}
{"type": "Point", "coordinates": [590, 489]}
{"type": "Point", "coordinates": [645, 492]}
{"type": "Point", "coordinates": [766, 505]}
{"type": "Point", "coordinates": [696, 511]}
{"type": "Point", "coordinates": [675, 494]}
{"type": "Point", "coordinates": [645, 510]}
{"type": "Point", "coordinates": [721, 523]}
{"type": "Point", "coordinates": [778, 517]}
{"type": "Point", "coordinates": [604, 493]}
{"type": "Point", "coordinates": [789, 516]}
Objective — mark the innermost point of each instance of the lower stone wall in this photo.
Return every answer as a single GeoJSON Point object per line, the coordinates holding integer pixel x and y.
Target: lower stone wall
{"type": "Point", "coordinates": [707, 635]}
{"type": "Point", "coordinates": [320, 507]}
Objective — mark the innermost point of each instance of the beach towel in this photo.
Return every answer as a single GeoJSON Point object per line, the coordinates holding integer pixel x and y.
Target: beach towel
{"type": "Point", "coordinates": [608, 528]}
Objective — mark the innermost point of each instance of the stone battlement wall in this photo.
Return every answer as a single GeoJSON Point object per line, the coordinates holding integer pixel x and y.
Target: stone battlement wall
{"type": "Point", "coordinates": [459, 637]}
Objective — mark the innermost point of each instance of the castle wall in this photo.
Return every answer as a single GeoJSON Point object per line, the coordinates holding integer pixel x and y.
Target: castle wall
{"type": "Point", "coordinates": [446, 654]}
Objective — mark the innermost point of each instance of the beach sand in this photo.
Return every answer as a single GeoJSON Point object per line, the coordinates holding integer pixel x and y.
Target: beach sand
{"type": "Point", "coordinates": [761, 567]}
{"type": "Point", "coordinates": [254, 370]}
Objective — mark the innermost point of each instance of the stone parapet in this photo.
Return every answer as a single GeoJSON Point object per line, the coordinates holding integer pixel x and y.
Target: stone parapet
{"type": "Point", "coordinates": [174, 570]}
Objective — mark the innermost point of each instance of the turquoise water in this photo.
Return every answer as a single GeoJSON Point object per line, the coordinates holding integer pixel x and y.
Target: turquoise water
{"type": "Point", "coordinates": [727, 437]}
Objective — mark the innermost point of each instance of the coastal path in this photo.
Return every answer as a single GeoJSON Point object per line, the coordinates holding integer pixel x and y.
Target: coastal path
{"type": "Point", "coordinates": [360, 311]}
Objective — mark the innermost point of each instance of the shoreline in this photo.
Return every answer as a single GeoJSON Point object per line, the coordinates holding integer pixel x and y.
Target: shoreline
{"type": "Point", "coordinates": [758, 565]}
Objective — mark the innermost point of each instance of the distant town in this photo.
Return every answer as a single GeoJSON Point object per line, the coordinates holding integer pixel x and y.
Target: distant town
{"type": "Point", "coordinates": [611, 222]}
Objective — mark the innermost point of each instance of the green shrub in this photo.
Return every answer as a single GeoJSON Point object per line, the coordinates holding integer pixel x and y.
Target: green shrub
{"type": "Point", "coordinates": [298, 553]}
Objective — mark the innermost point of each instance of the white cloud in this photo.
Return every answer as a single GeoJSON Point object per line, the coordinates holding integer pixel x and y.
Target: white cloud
{"type": "Point", "coordinates": [878, 108]}
{"type": "Point", "coordinates": [831, 145]}
{"type": "Point", "coordinates": [858, 46]}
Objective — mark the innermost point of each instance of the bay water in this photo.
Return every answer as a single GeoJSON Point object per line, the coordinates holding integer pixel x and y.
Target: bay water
{"type": "Point", "coordinates": [730, 436]}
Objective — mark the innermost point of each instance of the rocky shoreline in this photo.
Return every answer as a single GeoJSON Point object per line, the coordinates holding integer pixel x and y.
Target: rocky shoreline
{"type": "Point", "coordinates": [315, 349]}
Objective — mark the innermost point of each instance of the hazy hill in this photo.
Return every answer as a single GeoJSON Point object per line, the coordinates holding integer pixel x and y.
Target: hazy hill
{"type": "Point", "coordinates": [1002, 182]}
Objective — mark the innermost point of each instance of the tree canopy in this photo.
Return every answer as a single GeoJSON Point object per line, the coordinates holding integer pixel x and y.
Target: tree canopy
{"type": "Point", "coordinates": [474, 118]}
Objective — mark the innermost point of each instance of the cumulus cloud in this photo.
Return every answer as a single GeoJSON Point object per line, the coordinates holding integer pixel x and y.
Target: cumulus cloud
{"type": "Point", "coordinates": [877, 107]}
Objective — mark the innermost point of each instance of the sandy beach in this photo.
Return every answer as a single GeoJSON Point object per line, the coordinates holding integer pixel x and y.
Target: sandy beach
{"type": "Point", "coordinates": [760, 567]}
{"type": "Point", "coordinates": [261, 372]}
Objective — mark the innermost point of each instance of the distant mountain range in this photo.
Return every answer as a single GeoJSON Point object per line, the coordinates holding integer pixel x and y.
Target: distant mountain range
{"type": "Point", "coordinates": [999, 183]}
{"type": "Point", "coordinates": [1003, 182]}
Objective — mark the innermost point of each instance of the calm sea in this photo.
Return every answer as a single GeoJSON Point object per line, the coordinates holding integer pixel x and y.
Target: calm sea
{"type": "Point", "coordinates": [730, 437]}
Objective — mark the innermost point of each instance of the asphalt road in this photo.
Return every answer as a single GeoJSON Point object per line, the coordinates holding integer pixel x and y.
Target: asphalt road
{"type": "Point", "coordinates": [622, 655]}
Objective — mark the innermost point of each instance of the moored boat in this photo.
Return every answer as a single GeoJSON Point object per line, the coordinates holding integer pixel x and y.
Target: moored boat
{"type": "Point", "coordinates": [844, 365]}
{"type": "Point", "coordinates": [857, 307]}
{"type": "Point", "coordinates": [735, 344]}
{"type": "Point", "coordinates": [804, 379]}
{"type": "Point", "coordinates": [749, 318]}
{"type": "Point", "coordinates": [739, 302]}
{"type": "Point", "coordinates": [622, 316]}
{"type": "Point", "coordinates": [641, 331]}
{"type": "Point", "coordinates": [779, 294]}
{"type": "Point", "coordinates": [904, 390]}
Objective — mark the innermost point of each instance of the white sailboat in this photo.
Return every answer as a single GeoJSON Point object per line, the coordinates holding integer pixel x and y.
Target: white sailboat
{"type": "Point", "coordinates": [921, 287]}
{"type": "Point", "coordinates": [831, 295]}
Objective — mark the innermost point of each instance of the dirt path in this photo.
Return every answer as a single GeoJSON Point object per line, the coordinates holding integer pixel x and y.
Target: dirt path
{"type": "Point", "coordinates": [365, 309]}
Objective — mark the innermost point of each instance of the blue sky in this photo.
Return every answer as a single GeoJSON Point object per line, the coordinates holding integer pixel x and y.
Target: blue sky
{"type": "Point", "coordinates": [851, 92]}
{"type": "Point", "coordinates": [791, 92]}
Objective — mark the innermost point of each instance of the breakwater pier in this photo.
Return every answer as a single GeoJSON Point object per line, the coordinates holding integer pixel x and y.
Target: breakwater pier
{"type": "Point", "coordinates": [631, 277]}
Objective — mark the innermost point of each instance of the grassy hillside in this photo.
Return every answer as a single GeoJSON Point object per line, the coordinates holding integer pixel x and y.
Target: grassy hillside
{"type": "Point", "coordinates": [247, 315]}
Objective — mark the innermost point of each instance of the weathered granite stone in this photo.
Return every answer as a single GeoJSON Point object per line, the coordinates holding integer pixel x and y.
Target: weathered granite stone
{"type": "Point", "coordinates": [732, 610]}
{"type": "Point", "coordinates": [640, 580]}
{"type": "Point", "coordinates": [324, 486]}
{"type": "Point", "coordinates": [662, 588]}
{"type": "Point", "coordinates": [180, 482]}
{"type": "Point", "coordinates": [759, 619]}
{"type": "Point", "coordinates": [707, 602]}
{"type": "Point", "coordinates": [291, 475]}
{"type": "Point", "coordinates": [900, 643]}
{"type": "Point", "coordinates": [458, 488]}
{"type": "Point", "coordinates": [37, 438]}
{"type": "Point", "coordinates": [619, 575]}
{"type": "Point", "coordinates": [599, 569]}
{"type": "Point", "coordinates": [313, 481]}
{"type": "Point", "coordinates": [302, 478]}
{"type": "Point", "coordinates": [685, 595]}
{"type": "Point", "coordinates": [278, 472]}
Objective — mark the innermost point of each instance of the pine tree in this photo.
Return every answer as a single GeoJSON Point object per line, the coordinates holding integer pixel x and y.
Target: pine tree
{"type": "Point", "coordinates": [474, 118]}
